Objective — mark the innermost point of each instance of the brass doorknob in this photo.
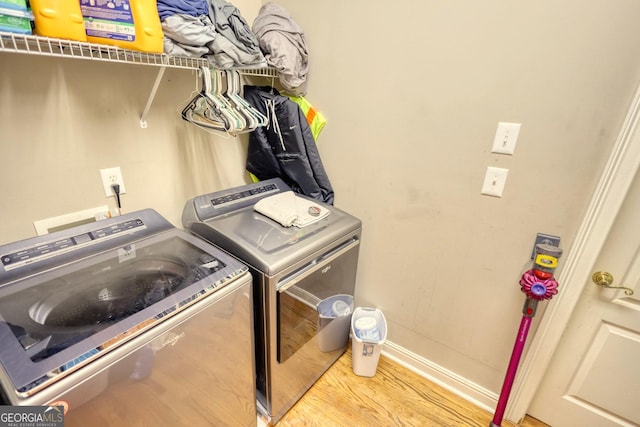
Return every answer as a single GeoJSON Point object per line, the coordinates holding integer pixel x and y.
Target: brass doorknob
{"type": "Point", "coordinates": [605, 280]}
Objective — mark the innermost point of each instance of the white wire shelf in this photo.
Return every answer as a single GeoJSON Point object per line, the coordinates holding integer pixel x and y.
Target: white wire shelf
{"type": "Point", "coordinates": [47, 46]}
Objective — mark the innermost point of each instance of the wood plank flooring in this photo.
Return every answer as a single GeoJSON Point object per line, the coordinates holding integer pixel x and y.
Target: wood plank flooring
{"type": "Point", "coordinates": [395, 396]}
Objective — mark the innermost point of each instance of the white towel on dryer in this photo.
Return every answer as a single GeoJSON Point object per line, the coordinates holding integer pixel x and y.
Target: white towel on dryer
{"type": "Point", "coordinates": [289, 209]}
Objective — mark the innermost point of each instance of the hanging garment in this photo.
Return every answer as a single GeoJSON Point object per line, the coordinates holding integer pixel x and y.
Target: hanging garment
{"type": "Point", "coordinates": [315, 119]}
{"type": "Point", "coordinates": [285, 148]}
{"type": "Point", "coordinates": [284, 45]}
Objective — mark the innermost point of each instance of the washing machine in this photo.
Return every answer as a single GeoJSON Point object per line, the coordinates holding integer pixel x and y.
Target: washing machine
{"type": "Point", "coordinates": [294, 269]}
{"type": "Point", "coordinates": [127, 321]}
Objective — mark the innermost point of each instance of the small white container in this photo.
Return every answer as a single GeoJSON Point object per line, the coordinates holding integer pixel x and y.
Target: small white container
{"type": "Point", "coordinates": [366, 328]}
{"type": "Point", "coordinates": [368, 333]}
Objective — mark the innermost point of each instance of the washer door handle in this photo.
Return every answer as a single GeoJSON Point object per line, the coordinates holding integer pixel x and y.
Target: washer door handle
{"type": "Point", "coordinates": [317, 263]}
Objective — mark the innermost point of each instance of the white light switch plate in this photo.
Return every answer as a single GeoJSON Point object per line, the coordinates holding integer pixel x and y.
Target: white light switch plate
{"type": "Point", "coordinates": [506, 138]}
{"type": "Point", "coordinates": [494, 181]}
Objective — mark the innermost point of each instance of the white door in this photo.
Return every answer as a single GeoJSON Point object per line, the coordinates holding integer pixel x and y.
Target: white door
{"type": "Point", "coordinates": [594, 377]}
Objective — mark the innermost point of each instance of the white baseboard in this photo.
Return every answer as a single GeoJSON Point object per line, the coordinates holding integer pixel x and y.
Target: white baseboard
{"type": "Point", "coordinates": [456, 384]}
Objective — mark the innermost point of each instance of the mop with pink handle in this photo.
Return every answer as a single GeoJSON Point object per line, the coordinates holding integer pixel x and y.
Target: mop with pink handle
{"type": "Point", "coordinates": [537, 284]}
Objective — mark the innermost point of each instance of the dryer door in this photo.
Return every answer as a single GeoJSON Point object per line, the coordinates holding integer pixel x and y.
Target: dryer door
{"type": "Point", "coordinates": [332, 273]}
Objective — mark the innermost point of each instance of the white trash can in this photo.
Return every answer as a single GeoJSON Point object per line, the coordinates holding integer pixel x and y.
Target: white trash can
{"type": "Point", "coordinates": [368, 333]}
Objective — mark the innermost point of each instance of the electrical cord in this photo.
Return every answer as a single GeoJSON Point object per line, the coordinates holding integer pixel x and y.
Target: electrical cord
{"type": "Point", "coordinates": [116, 190]}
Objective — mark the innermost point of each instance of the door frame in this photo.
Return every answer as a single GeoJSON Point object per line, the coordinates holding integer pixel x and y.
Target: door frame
{"type": "Point", "coordinates": [608, 196]}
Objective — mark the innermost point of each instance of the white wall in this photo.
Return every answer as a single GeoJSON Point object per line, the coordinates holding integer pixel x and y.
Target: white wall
{"type": "Point", "coordinates": [413, 92]}
{"type": "Point", "coordinates": [63, 120]}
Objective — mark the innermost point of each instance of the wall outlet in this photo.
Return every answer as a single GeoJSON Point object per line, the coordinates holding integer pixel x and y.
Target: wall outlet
{"type": "Point", "coordinates": [112, 176]}
{"type": "Point", "coordinates": [546, 239]}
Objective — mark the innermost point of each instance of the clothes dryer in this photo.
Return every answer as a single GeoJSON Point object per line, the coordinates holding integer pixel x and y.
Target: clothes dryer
{"type": "Point", "coordinates": [127, 321]}
{"type": "Point", "coordinates": [294, 269]}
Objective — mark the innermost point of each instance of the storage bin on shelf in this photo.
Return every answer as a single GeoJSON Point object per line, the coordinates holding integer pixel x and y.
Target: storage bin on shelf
{"type": "Point", "coordinates": [368, 333]}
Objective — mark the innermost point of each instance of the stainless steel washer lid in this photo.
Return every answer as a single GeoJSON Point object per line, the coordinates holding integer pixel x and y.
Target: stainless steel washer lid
{"type": "Point", "coordinates": [227, 219]}
{"type": "Point", "coordinates": [68, 297]}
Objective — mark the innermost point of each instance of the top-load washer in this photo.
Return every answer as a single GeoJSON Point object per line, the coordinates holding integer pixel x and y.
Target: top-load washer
{"type": "Point", "coordinates": [294, 269]}
{"type": "Point", "coordinates": [127, 321]}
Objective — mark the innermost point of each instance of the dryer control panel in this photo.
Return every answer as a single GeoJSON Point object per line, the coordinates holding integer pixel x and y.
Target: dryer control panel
{"type": "Point", "coordinates": [222, 202]}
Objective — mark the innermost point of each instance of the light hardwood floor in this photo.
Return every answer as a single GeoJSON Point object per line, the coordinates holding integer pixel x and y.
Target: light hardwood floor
{"type": "Point", "coordinates": [395, 396]}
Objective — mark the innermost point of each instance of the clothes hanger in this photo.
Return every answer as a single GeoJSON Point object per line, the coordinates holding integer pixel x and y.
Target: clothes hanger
{"type": "Point", "coordinates": [201, 112]}
{"type": "Point", "coordinates": [233, 91]}
{"type": "Point", "coordinates": [230, 94]}
{"type": "Point", "coordinates": [215, 95]}
{"type": "Point", "coordinates": [220, 107]}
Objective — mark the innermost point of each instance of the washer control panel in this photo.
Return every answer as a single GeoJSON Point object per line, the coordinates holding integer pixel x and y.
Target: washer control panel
{"type": "Point", "coordinates": [35, 254]}
{"type": "Point", "coordinates": [51, 248]}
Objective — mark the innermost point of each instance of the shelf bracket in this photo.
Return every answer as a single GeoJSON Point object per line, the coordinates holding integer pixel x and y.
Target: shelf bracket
{"type": "Point", "coordinates": [152, 95]}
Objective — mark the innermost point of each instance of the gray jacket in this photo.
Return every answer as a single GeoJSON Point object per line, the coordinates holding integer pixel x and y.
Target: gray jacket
{"type": "Point", "coordinates": [286, 148]}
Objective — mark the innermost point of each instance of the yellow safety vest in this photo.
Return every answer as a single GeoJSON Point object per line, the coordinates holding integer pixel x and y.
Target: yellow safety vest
{"type": "Point", "coordinates": [315, 118]}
